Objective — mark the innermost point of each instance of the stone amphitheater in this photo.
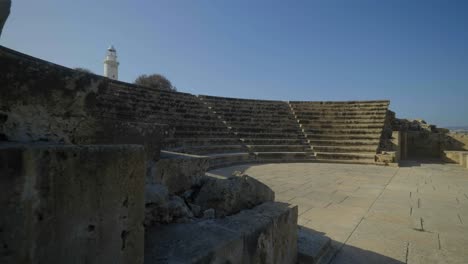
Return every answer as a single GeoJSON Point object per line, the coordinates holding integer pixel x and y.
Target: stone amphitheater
{"type": "Point", "coordinates": [94, 170]}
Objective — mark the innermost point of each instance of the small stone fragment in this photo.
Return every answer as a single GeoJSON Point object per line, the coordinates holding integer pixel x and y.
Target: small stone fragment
{"type": "Point", "coordinates": [196, 209]}
{"type": "Point", "coordinates": [209, 213]}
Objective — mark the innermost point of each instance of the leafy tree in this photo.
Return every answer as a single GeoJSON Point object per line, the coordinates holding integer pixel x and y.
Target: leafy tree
{"type": "Point", "coordinates": [157, 81]}
{"type": "Point", "coordinates": [83, 70]}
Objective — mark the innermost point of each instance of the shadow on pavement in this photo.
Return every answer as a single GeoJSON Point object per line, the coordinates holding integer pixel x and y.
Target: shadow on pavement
{"type": "Point", "coordinates": [321, 249]}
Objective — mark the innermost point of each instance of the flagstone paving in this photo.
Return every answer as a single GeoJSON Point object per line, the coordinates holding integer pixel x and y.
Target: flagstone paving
{"type": "Point", "coordinates": [417, 213]}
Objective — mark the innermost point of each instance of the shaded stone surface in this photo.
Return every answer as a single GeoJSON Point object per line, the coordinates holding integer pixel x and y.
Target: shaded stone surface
{"type": "Point", "coordinates": [178, 171]}
{"type": "Point", "coordinates": [71, 204]}
{"type": "Point", "coordinates": [264, 234]}
{"type": "Point", "coordinates": [230, 195]}
{"type": "Point", "coordinates": [313, 247]}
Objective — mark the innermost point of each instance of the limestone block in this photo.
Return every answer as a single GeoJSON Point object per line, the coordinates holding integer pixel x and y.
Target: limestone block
{"type": "Point", "coordinates": [160, 207]}
{"type": "Point", "coordinates": [230, 195]}
{"type": "Point", "coordinates": [386, 157]}
{"type": "Point", "coordinates": [264, 234]}
{"type": "Point", "coordinates": [71, 204]}
{"type": "Point", "coordinates": [463, 157]}
{"type": "Point", "coordinates": [313, 246]}
{"type": "Point", "coordinates": [179, 172]}
{"type": "Point", "coordinates": [452, 156]}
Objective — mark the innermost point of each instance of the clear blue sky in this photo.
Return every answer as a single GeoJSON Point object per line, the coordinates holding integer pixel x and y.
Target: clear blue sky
{"type": "Point", "coordinates": [414, 53]}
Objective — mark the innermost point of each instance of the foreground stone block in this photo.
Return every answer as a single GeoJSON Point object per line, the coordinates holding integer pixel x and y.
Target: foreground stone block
{"type": "Point", "coordinates": [452, 156]}
{"type": "Point", "coordinates": [230, 195]}
{"type": "Point", "coordinates": [463, 159]}
{"type": "Point", "coordinates": [313, 247]}
{"type": "Point", "coordinates": [71, 204]}
{"type": "Point", "coordinates": [179, 172]}
{"type": "Point", "coordinates": [264, 234]}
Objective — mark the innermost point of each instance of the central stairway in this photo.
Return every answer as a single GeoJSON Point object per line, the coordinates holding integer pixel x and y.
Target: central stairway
{"type": "Point", "coordinates": [347, 132]}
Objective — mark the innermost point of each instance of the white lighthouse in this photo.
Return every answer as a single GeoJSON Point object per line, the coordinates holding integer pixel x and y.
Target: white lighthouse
{"type": "Point", "coordinates": [111, 65]}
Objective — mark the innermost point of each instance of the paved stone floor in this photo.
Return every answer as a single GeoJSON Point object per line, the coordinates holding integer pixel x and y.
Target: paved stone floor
{"type": "Point", "coordinates": [417, 213]}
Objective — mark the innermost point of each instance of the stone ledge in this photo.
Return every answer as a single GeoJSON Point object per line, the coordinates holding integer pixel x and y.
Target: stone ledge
{"type": "Point", "coordinates": [264, 234]}
{"type": "Point", "coordinates": [313, 247]}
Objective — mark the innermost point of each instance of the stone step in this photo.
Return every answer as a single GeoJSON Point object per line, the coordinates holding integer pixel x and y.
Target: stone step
{"type": "Point", "coordinates": [312, 126]}
{"type": "Point", "coordinates": [193, 122]}
{"type": "Point", "coordinates": [258, 116]}
{"type": "Point", "coordinates": [213, 134]}
{"type": "Point", "coordinates": [219, 160]}
{"type": "Point", "coordinates": [346, 149]}
{"type": "Point", "coordinates": [342, 121]}
{"type": "Point", "coordinates": [194, 127]}
{"type": "Point", "coordinates": [209, 149]}
{"type": "Point", "coordinates": [270, 135]}
{"type": "Point", "coordinates": [313, 247]}
{"type": "Point", "coordinates": [284, 156]}
{"type": "Point", "coordinates": [279, 148]}
{"type": "Point", "coordinates": [367, 157]}
{"type": "Point", "coordinates": [349, 131]}
{"type": "Point", "coordinates": [188, 142]}
{"type": "Point", "coordinates": [339, 109]}
{"type": "Point", "coordinates": [225, 100]}
{"type": "Point", "coordinates": [344, 142]}
{"type": "Point", "coordinates": [343, 136]}
{"type": "Point", "coordinates": [295, 130]}
{"type": "Point", "coordinates": [253, 119]}
{"type": "Point", "coordinates": [288, 125]}
{"type": "Point", "coordinates": [274, 141]}
{"type": "Point", "coordinates": [371, 102]}
{"type": "Point", "coordinates": [335, 114]}
{"type": "Point", "coordinates": [150, 98]}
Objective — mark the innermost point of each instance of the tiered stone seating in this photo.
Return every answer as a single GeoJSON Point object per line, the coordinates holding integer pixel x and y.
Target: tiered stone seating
{"type": "Point", "coordinates": [342, 131]}
{"type": "Point", "coordinates": [193, 128]}
{"type": "Point", "coordinates": [267, 128]}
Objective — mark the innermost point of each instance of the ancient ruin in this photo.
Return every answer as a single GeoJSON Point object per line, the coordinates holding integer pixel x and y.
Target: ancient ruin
{"type": "Point", "coordinates": [94, 170]}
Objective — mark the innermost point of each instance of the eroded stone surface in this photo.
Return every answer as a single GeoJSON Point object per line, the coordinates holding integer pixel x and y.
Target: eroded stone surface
{"type": "Point", "coordinates": [71, 204]}
{"type": "Point", "coordinates": [179, 172]}
{"type": "Point", "coordinates": [230, 195]}
{"type": "Point", "coordinates": [264, 234]}
{"type": "Point", "coordinates": [162, 208]}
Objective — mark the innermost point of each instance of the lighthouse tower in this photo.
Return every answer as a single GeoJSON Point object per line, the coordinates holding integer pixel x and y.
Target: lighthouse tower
{"type": "Point", "coordinates": [111, 65]}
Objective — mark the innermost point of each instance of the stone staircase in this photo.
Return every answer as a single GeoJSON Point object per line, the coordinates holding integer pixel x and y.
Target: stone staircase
{"type": "Point", "coordinates": [347, 132]}
{"type": "Point", "coordinates": [267, 128]}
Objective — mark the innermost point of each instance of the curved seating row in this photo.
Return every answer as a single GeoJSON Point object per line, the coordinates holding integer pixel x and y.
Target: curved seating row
{"type": "Point", "coordinates": [231, 130]}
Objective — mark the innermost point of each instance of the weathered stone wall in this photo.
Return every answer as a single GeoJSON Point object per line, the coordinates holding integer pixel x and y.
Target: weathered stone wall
{"type": "Point", "coordinates": [71, 204]}
{"type": "Point", "coordinates": [264, 234]}
{"type": "Point", "coordinates": [41, 101]}
{"type": "Point", "coordinates": [178, 171]}
{"type": "Point", "coordinates": [424, 144]}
